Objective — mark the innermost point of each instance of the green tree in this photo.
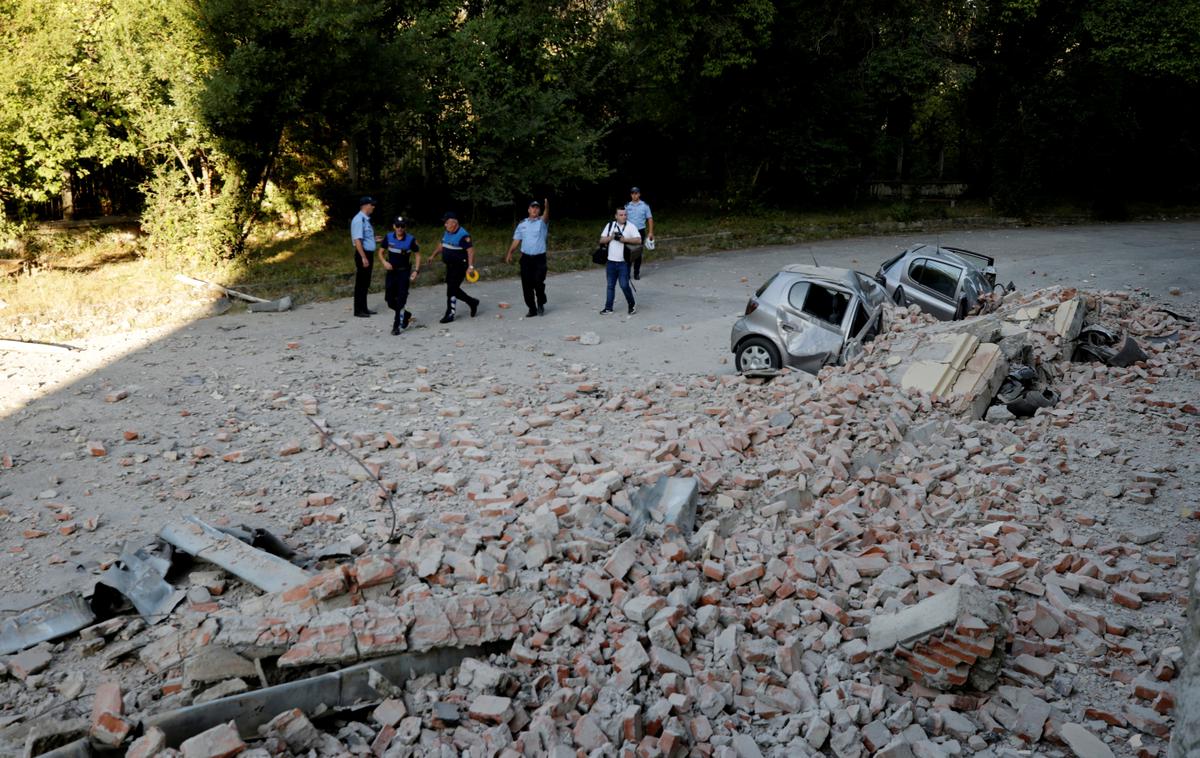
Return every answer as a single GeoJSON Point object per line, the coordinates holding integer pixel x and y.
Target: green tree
{"type": "Point", "coordinates": [57, 116]}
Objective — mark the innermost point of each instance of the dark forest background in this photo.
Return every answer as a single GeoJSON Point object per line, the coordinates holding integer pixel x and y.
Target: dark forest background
{"type": "Point", "coordinates": [210, 119]}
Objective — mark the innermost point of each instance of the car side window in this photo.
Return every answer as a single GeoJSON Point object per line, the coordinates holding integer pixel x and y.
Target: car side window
{"type": "Point", "coordinates": [940, 277]}
{"type": "Point", "coordinates": [797, 294]}
{"type": "Point", "coordinates": [826, 304]}
{"type": "Point", "coordinates": [915, 268]}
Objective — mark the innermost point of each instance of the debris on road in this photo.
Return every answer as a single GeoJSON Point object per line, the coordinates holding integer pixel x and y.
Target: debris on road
{"type": "Point", "coordinates": [712, 565]}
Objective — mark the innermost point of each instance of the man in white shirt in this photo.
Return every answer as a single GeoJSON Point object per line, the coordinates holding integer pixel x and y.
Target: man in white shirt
{"type": "Point", "coordinates": [617, 234]}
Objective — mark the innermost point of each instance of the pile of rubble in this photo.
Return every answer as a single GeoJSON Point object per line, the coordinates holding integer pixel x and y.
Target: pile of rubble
{"type": "Point", "coordinates": [855, 564]}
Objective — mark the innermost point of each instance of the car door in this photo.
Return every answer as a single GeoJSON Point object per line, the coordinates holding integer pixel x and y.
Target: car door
{"type": "Point", "coordinates": [934, 286]}
{"type": "Point", "coordinates": [856, 326]}
{"type": "Point", "coordinates": [811, 324]}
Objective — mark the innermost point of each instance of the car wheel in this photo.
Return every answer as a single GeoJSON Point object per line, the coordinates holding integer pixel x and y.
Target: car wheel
{"type": "Point", "coordinates": [961, 311]}
{"type": "Point", "coordinates": [899, 299]}
{"type": "Point", "coordinates": [757, 354]}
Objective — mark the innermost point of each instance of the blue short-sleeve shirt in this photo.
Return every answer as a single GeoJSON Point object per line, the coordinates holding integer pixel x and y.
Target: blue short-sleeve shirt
{"type": "Point", "coordinates": [361, 229]}
{"type": "Point", "coordinates": [638, 213]}
{"type": "Point", "coordinates": [532, 233]}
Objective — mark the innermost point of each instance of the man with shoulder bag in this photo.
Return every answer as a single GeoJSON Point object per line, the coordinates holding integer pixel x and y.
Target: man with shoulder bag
{"type": "Point", "coordinates": [619, 235]}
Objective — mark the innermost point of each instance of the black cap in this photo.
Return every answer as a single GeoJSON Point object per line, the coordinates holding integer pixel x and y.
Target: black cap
{"type": "Point", "coordinates": [450, 215]}
{"type": "Point", "coordinates": [533, 203]}
{"type": "Point", "coordinates": [366, 200]}
{"type": "Point", "coordinates": [400, 221]}
{"type": "Point", "coordinates": [635, 189]}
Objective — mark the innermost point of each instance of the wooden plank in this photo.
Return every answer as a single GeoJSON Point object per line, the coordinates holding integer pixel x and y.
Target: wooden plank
{"type": "Point", "coordinates": [23, 346]}
{"type": "Point", "coordinates": [201, 283]}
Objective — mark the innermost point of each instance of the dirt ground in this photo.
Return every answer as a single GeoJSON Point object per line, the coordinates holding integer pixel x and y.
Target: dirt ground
{"type": "Point", "coordinates": [103, 446]}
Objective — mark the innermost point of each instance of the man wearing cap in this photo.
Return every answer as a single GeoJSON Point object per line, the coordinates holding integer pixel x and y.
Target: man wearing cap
{"type": "Point", "coordinates": [458, 253]}
{"type": "Point", "coordinates": [641, 217]}
{"type": "Point", "coordinates": [402, 248]}
{"type": "Point", "coordinates": [363, 237]}
{"type": "Point", "coordinates": [531, 236]}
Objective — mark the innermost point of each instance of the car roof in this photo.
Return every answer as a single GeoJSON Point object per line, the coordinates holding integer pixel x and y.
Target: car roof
{"type": "Point", "coordinates": [930, 251]}
{"type": "Point", "coordinates": [840, 276]}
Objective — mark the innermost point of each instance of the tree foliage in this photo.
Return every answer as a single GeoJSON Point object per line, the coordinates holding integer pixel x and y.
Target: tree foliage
{"type": "Point", "coordinates": [224, 111]}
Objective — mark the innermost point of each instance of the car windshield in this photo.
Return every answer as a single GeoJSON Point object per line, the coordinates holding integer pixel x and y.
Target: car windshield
{"type": "Point", "coordinates": [860, 320]}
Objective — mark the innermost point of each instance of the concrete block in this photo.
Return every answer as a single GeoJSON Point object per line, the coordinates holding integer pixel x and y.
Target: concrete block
{"type": "Point", "coordinates": [1068, 318]}
{"type": "Point", "coordinates": [929, 376]}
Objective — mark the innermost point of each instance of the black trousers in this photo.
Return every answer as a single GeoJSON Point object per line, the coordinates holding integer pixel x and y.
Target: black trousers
{"type": "Point", "coordinates": [362, 280]}
{"type": "Point", "coordinates": [456, 272]}
{"type": "Point", "coordinates": [636, 262]}
{"type": "Point", "coordinates": [396, 289]}
{"type": "Point", "coordinates": [533, 279]}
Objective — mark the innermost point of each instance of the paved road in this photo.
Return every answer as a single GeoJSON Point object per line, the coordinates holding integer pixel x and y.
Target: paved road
{"type": "Point", "coordinates": [685, 309]}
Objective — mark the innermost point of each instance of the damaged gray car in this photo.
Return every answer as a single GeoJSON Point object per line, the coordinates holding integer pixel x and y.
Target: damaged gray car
{"type": "Point", "coordinates": [945, 282]}
{"type": "Point", "coordinates": [806, 317]}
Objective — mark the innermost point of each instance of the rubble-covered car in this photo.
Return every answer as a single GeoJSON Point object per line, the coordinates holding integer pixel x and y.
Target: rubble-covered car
{"type": "Point", "coordinates": [806, 317]}
{"type": "Point", "coordinates": [945, 282]}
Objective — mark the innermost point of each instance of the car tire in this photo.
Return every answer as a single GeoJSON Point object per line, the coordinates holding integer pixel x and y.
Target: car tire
{"type": "Point", "coordinates": [899, 299]}
{"type": "Point", "coordinates": [757, 354]}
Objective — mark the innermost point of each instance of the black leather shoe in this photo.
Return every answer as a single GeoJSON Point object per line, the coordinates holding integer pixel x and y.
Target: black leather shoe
{"type": "Point", "coordinates": [407, 320]}
{"type": "Point", "coordinates": [371, 312]}
{"type": "Point", "coordinates": [541, 310]}
{"type": "Point", "coordinates": [446, 319]}
{"type": "Point", "coordinates": [395, 330]}
{"type": "Point", "coordinates": [531, 313]}
{"type": "Point", "coordinates": [362, 314]}
{"type": "Point", "coordinates": [474, 308]}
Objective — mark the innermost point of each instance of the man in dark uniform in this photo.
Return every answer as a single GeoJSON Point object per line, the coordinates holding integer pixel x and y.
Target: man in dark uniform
{"type": "Point", "coordinates": [401, 248]}
{"type": "Point", "coordinates": [458, 253]}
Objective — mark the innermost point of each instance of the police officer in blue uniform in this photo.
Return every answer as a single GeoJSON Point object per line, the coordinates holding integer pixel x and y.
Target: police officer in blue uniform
{"type": "Point", "coordinates": [362, 235]}
{"type": "Point", "coordinates": [402, 262]}
{"type": "Point", "coordinates": [458, 253]}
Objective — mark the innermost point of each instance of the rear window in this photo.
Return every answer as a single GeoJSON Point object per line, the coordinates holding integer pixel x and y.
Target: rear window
{"type": "Point", "coordinates": [762, 289]}
{"type": "Point", "coordinates": [887, 265]}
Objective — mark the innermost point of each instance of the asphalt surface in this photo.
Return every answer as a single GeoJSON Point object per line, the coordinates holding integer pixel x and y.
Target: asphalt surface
{"type": "Point", "coordinates": [686, 307]}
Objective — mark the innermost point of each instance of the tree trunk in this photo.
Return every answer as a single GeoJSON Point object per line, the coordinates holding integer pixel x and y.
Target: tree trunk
{"type": "Point", "coordinates": [68, 197]}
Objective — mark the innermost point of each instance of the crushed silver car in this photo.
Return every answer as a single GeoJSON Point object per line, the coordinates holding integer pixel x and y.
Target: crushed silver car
{"type": "Point", "coordinates": [945, 282]}
{"type": "Point", "coordinates": [807, 317]}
